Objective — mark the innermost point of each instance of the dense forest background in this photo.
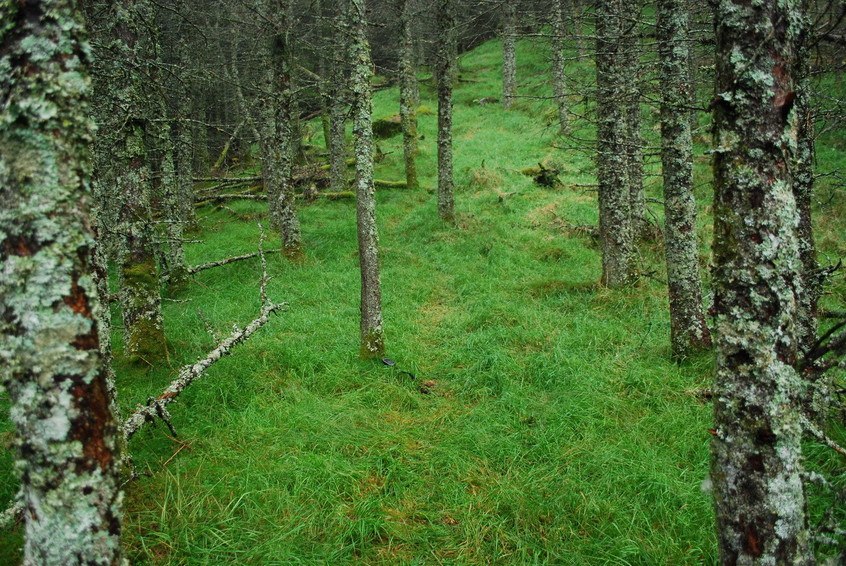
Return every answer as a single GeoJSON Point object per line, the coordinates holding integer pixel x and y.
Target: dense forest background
{"type": "Point", "coordinates": [423, 282]}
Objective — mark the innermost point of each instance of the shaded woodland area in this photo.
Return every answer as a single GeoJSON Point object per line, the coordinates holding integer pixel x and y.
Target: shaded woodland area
{"type": "Point", "coordinates": [422, 282]}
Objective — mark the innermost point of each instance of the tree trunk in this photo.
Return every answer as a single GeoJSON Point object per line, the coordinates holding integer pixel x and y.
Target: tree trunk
{"type": "Point", "coordinates": [756, 448]}
{"type": "Point", "coordinates": [631, 69]}
{"type": "Point", "coordinates": [338, 111]}
{"type": "Point", "coordinates": [559, 80]}
{"type": "Point", "coordinates": [688, 329]}
{"type": "Point", "coordinates": [509, 55]}
{"type": "Point", "coordinates": [445, 71]}
{"type": "Point", "coordinates": [372, 335]}
{"type": "Point", "coordinates": [49, 337]}
{"type": "Point", "coordinates": [615, 230]}
{"type": "Point", "coordinates": [281, 130]}
{"type": "Point", "coordinates": [803, 190]}
{"type": "Point", "coordinates": [408, 115]}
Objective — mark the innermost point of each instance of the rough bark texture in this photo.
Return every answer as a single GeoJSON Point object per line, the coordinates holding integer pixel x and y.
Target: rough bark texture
{"type": "Point", "coordinates": [281, 130]}
{"type": "Point", "coordinates": [124, 53]}
{"type": "Point", "coordinates": [445, 71]}
{"type": "Point", "coordinates": [338, 112]}
{"type": "Point", "coordinates": [688, 329]}
{"type": "Point", "coordinates": [408, 79]}
{"type": "Point", "coordinates": [803, 190]}
{"type": "Point", "coordinates": [756, 450]}
{"type": "Point", "coordinates": [49, 337]}
{"type": "Point", "coordinates": [631, 70]}
{"type": "Point", "coordinates": [615, 231]}
{"type": "Point", "coordinates": [372, 335]}
{"type": "Point", "coordinates": [559, 79]}
{"type": "Point", "coordinates": [509, 54]}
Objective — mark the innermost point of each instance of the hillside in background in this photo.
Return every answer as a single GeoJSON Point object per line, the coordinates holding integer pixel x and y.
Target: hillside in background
{"type": "Point", "coordinates": [532, 417]}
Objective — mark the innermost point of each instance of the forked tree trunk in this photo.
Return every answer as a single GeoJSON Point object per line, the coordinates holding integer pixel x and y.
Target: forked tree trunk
{"type": "Point", "coordinates": [615, 230]}
{"type": "Point", "coordinates": [408, 116]}
{"type": "Point", "coordinates": [49, 338]}
{"type": "Point", "coordinates": [372, 335]}
{"type": "Point", "coordinates": [756, 448]}
{"type": "Point", "coordinates": [688, 329]}
{"type": "Point", "coordinates": [445, 71]}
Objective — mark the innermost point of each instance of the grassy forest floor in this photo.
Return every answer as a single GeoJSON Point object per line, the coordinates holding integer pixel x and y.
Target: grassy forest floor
{"type": "Point", "coordinates": [547, 424]}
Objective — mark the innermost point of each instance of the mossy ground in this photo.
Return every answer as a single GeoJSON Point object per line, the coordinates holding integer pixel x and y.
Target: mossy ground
{"type": "Point", "coordinates": [546, 423]}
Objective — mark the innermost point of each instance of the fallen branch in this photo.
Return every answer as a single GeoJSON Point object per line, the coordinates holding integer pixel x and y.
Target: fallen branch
{"type": "Point", "coordinates": [383, 184]}
{"type": "Point", "coordinates": [218, 263]}
{"type": "Point", "coordinates": [188, 374]}
{"type": "Point", "coordinates": [238, 196]}
{"type": "Point", "coordinates": [225, 180]}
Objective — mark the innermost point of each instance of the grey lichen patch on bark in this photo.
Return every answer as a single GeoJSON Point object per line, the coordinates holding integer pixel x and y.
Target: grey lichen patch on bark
{"type": "Point", "coordinates": [688, 329]}
{"type": "Point", "coordinates": [756, 451]}
{"type": "Point", "coordinates": [372, 336]}
{"type": "Point", "coordinates": [50, 361]}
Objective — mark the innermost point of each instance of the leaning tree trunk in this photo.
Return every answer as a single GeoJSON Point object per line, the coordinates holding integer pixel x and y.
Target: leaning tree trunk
{"type": "Point", "coordinates": [445, 71]}
{"type": "Point", "coordinates": [615, 230]}
{"type": "Point", "coordinates": [49, 339]}
{"type": "Point", "coordinates": [756, 447]}
{"type": "Point", "coordinates": [372, 335]}
{"type": "Point", "coordinates": [408, 116]}
{"type": "Point", "coordinates": [559, 79]}
{"type": "Point", "coordinates": [509, 54]}
{"type": "Point", "coordinates": [688, 329]}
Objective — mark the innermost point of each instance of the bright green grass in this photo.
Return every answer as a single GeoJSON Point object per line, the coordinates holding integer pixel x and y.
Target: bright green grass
{"type": "Point", "coordinates": [557, 431]}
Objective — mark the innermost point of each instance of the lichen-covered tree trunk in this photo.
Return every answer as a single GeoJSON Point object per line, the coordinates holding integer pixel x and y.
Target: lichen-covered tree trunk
{"type": "Point", "coordinates": [688, 329]}
{"type": "Point", "coordinates": [756, 450]}
{"type": "Point", "coordinates": [280, 179]}
{"type": "Point", "coordinates": [124, 54]}
{"type": "Point", "coordinates": [631, 69]}
{"type": "Point", "coordinates": [50, 361]}
{"type": "Point", "coordinates": [408, 78]}
{"type": "Point", "coordinates": [615, 230]}
{"type": "Point", "coordinates": [338, 109]}
{"type": "Point", "coordinates": [559, 79]}
{"type": "Point", "coordinates": [803, 190]}
{"type": "Point", "coordinates": [372, 335]}
{"type": "Point", "coordinates": [177, 268]}
{"type": "Point", "coordinates": [509, 54]}
{"type": "Point", "coordinates": [445, 72]}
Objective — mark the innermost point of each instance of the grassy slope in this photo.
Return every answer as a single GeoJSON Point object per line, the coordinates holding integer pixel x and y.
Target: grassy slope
{"type": "Point", "coordinates": [557, 430]}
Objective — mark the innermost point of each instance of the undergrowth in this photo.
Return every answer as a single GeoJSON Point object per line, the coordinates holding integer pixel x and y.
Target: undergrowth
{"type": "Point", "coordinates": [545, 423]}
